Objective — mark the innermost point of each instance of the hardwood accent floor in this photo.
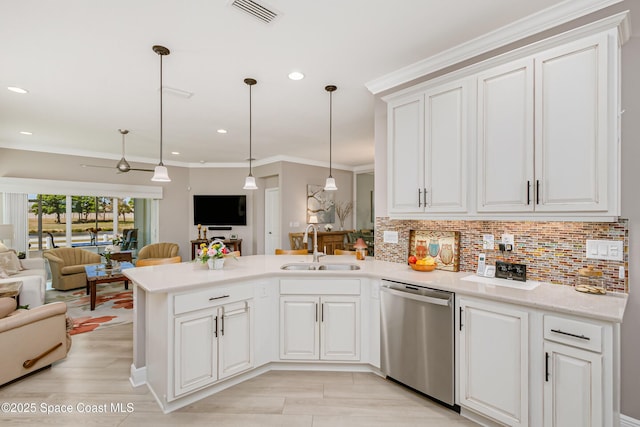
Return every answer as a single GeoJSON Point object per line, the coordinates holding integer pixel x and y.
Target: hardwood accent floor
{"type": "Point", "coordinates": [95, 375]}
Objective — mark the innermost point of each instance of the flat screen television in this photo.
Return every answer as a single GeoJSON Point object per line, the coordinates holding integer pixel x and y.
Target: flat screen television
{"type": "Point", "coordinates": [219, 210]}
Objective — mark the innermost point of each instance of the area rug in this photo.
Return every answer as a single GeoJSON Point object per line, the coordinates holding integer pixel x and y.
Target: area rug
{"type": "Point", "coordinates": [114, 306]}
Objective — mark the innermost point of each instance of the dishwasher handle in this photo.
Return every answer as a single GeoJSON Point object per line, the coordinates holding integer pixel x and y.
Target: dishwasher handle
{"type": "Point", "coordinates": [431, 300]}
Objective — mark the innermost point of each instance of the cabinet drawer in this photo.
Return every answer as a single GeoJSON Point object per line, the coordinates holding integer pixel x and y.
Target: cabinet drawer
{"type": "Point", "coordinates": [320, 286]}
{"type": "Point", "coordinates": [210, 297]}
{"type": "Point", "coordinates": [576, 333]}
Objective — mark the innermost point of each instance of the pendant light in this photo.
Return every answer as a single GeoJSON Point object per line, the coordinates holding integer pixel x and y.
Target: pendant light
{"type": "Point", "coordinates": [250, 181]}
{"type": "Point", "coordinates": [330, 185]}
{"type": "Point", "coordinates": [160, 173]}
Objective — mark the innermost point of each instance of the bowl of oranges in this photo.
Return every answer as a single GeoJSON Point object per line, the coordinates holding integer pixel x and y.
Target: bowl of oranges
{"type": "Point", "coordinates": [422, 264]}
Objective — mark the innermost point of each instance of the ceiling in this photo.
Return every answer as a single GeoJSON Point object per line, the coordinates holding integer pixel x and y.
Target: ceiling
{"type": "Point", "coordinates": [90, 70]}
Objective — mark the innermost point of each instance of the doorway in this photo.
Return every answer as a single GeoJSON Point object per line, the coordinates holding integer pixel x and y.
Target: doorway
{"type": "Point", "coordinates": [271, 220]}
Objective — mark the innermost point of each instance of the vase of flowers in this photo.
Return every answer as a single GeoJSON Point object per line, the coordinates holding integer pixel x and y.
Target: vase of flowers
{"type": "Point", "coordinates": [212, 255]}
{"type": "Point", "coordinates": [343, 210]}
{"type": "Point", "coordinates": [107, 256]}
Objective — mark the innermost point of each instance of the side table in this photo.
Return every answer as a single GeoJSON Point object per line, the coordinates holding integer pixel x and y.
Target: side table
{"type": "Point", "coordinates": [11, 289]}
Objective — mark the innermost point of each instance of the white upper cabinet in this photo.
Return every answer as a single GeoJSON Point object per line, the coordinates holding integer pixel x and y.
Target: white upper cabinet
{"type": "Point", "coordinates": [505, 138]}
{"type": "Point", "coordinates": [533, 133]}
{"type": "Point", "coordinates": [571, 130]}
{"type": "Point", "coordinates": [427, 150]}
{"type": "Point", "coordinates": [406, 153]}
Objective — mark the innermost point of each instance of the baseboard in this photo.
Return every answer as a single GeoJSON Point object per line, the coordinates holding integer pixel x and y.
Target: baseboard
{"type": "Point", "coordinates": [628, 421]}
{"type": "Point", "coordinates": [138, 376]}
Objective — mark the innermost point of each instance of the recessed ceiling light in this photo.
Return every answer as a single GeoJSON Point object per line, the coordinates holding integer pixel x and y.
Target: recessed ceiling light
{"type": "Point", "coordinates": [296, 75]}
{"type": "Point", "coordinates": [24, 132]}
{"type": "Point", "coordinates": [222, 131]}
{"type": "Point", "coordinates": [201, 161]}
{"type": "Point", "coordinates": [175, 152]}
{"type": "Point", "coordinates": [17, 89]}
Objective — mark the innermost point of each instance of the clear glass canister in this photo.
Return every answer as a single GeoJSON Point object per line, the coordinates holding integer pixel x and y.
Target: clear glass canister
{"type": "Point", "coordinates": [590, 280]}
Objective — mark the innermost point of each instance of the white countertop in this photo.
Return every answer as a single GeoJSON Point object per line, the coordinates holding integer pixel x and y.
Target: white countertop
{"type": "Point", "coordinates": [560, 298]}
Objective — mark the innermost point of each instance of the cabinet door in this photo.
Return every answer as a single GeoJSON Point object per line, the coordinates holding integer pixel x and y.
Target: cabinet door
{"type": "Point", "coordinates": [573, 387]}
{"type": "Point", "coordinates": [446, 148]}
{"type": "Point", "coordinates": [299, 327]}
{"type": "Point", "coordinates": [406, 154]}
{"type": "Point", "coordinates": [340, 328]}
{"type": "Point", "coordinates": [236, 338]}
{"type": "Point", "coordinates": [195, 355]}
{"type": "Point", "coordinates": [571, 126]}
{"type": "Point", "coordinates": [494, 361]}
{"type": "Point", "coordinates": [505, 138]}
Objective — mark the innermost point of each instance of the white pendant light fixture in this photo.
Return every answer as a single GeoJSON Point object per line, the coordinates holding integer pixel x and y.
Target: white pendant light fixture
{"type": "Point", "coordinates": [330, 184]}
{"type": "Point", "coordinates": [160, 173]}
{"type": "Point", "coordinates": [250, 181]}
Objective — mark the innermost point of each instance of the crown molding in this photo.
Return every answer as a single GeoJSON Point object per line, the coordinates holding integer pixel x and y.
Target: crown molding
{"type": "Point", "coordinates": [538, 22]}
{"type": "Point", "coordinates": [190, 165]}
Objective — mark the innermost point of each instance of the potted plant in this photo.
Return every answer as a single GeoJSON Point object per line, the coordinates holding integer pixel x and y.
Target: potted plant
{"type": "Point", "coordinates": [212, 255]}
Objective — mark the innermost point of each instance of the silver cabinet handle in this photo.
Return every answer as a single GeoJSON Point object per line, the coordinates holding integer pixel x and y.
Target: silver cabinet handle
{"type": "Point", "coordinates": [215, 298]}
{"type": "Point", "coordinates": [419, 203]}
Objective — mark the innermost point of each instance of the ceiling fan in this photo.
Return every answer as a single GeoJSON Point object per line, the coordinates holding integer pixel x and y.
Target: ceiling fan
{"type": "Point", "coordinates": [122, 166]}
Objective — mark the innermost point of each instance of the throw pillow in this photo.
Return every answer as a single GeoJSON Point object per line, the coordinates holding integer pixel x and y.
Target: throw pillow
{"type": "Point", "coordinates": [9, 262]}
{"type": "Point", "coordinates": [3, 247]}
{"type": "Point", "coordinates": [7, 305]}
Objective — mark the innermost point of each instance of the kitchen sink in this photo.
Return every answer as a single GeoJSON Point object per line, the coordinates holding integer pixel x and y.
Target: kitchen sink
{"type": "Point", "coordinates": [338, 267]}
{"type": "Point", "coordinates": [301, 266]}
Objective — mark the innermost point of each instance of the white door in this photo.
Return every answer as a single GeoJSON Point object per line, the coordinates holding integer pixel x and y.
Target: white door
{"type": "Point", "coordinates": [494, 355]}
{"type": "Point", "coordinates": [195, 355]}
{"type": "Point", "coordinates": [299, 327]}
{"type": "Point", "coordinates": [571, 126]}
{"type": "Point", "coordinates": [505, 138]}
{"type": "Point", "coordinates": [573, 387]}
{"type": "Point", "coordinates": [445, 149]}
{"type": "Point", "coordinates": [340, 328]}
{"type": "Point", "coordinates": [272, 238]}
{"type": "Point", "coordinates": [236, 338]}
{"type": "Point", "coordinates": [405, 154]}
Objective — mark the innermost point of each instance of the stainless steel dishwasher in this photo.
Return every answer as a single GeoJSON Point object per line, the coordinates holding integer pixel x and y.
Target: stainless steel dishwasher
{"type": "Point", "coordinates": [417, 339]}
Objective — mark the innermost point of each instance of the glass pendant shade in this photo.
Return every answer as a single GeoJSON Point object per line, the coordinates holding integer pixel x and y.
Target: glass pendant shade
{"type": "Point", "coordinates": [250, 183]}
{"type": "Point", "coordinates": [330, 184]}
{"type": "Point", "coordinates": [160, 174]}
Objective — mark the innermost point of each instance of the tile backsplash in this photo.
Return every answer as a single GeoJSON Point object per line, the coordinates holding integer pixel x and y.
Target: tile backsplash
{"type": "Point", "coordinates": [552, 251]}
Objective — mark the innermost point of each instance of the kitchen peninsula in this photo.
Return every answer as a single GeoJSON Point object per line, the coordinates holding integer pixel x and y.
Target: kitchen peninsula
{"type": "Point", "coordinates": [198, 331]}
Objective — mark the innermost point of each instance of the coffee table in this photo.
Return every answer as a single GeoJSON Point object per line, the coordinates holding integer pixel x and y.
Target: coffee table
{"type": "Point", "coordinates": [11, 289]}
{"type": "Point", "coordinates": [98, 274]}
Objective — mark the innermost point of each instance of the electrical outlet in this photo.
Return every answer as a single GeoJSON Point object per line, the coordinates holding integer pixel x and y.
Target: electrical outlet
{"type": "Point", "coordinates": [488, 241]}
{"type": "Point", "coordinates": [508, 239]}
{"type": "Point", "coordinates": [390, 237]}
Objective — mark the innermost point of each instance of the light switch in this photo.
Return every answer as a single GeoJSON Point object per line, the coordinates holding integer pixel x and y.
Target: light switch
{"type": "Point", "coordinates": [605, 249]}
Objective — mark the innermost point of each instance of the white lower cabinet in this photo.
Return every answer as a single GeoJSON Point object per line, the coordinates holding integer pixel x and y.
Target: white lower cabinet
{"type": "Point", "coordinates": [319, 327]}
{"type": "Point", "coordinates": [212, 344]}
{"type": "Point", "coordinates": [320, 319]}
{"type": "Point", "coordinates": [573, 387]}
{"type": "Point", "coordinates": [493, 360]}
{"type": "Point", "coordinates": [578, 380]}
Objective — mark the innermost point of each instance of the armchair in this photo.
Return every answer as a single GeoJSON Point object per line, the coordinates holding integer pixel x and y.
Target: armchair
{"type": "Point", "coordinates": [36, 338]}
{"type": "Point", "coordinates": [158, 253]}
{"type": "Point", "coordinates": [67, 267]}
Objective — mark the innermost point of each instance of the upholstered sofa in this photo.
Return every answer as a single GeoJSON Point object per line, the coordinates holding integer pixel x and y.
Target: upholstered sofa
{"type": "Point", "coordinates": [67, 267]}
{"type": "Point", "coordinates": [33, 275]}
{"type": "Point", "coordinates": [159, 253]}
{"type": "Point", "coordinates": [31, 339]}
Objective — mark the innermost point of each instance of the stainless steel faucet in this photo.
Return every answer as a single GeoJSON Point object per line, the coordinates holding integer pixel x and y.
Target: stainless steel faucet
{"type": "Point", "coordinates": [305, 239]}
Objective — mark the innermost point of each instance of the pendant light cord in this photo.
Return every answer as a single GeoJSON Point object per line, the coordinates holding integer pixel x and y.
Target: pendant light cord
{"type": "Point", "coordinates": [161, 90]}
{"type": "Point", "coordinates": [250, 133]}
{"type": "Point", "coordinates": [330, 129]}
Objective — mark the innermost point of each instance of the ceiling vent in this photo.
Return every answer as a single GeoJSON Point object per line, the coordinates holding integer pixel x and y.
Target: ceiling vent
{"type": "Point", "coordinates": [255, 9]}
